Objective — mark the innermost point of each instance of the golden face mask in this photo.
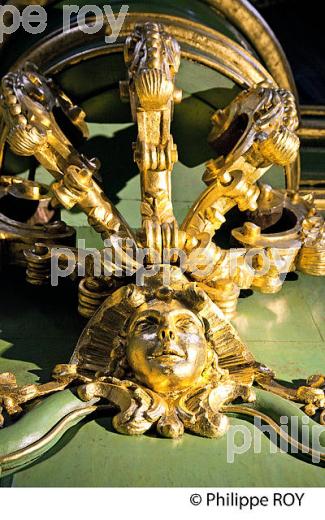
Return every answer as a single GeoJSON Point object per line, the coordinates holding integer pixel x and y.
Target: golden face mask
{"type": "Point", "coordinates": [166, 346]}
{"type": "Point", "coordinates": [154, 351]}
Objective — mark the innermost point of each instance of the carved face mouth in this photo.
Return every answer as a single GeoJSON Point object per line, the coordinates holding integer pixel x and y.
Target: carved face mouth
{"type": "Point", "coordinates": [170, 352]}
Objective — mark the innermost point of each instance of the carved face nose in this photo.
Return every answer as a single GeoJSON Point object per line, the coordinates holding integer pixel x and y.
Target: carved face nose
{"type": "Point", "coordinates": [166, 334]}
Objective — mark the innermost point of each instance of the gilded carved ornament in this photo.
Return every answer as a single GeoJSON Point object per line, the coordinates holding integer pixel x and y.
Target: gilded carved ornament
{"type": "Point", "coordinates": [166, 354]}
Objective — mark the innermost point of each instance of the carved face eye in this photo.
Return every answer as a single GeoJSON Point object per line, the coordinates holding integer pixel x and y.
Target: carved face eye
{"type": "Point", "coordinates": [147, 324]}
{"type": "Point", "coordinates": [186, 324]}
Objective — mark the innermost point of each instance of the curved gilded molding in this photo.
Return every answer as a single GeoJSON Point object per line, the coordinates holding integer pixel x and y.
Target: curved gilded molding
{"type": "Point", "coordinates": [197, 41]}
{"type": "Point", "coordinates": [246, 18]}
{"type": "Point", "coordinates": [30, 443]}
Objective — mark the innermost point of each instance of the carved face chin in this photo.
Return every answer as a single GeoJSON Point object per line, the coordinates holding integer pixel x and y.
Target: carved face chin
{"type": "Point", "coordinates": [166, 349]}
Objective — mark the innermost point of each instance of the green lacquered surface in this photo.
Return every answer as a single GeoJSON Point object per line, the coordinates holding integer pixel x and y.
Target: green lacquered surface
{"type": "Point", "coordinates": [24, 441]}
{"type": "Point", "coordinates": [93, 455]}
{"type": "Point", "coordinates": [312, 163]}
{"type": "Point", "coordinates": [299, 426]}
{"type": "Point", "coordinates": [39, 421]}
